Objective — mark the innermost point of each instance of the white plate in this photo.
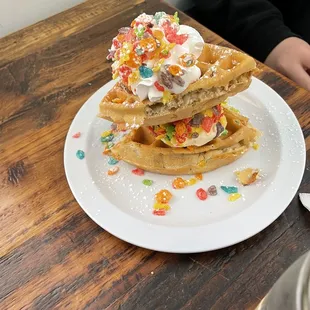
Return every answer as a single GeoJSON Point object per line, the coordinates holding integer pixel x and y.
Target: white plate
{"type": "Point", "coordinates": [122, 205]}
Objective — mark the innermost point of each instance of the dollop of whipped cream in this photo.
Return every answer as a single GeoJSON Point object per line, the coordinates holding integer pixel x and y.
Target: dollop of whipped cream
{"type": "Point", "coordinates": [156, 57]}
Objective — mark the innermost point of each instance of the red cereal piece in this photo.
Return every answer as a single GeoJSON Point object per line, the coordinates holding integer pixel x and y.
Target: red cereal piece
{"type": "Point", "coordinates": [138, 171]}
{"type": "Point", "coordinates": [207, 124]}
{"type": "Point", "coordinates": [201, 194]}
{"type": "Point", "coordinates": [160, 212]}
{"type": "Point", "coordinates": [76, 135]}
{"type": "Point", "coordinates": [158, 86]}
{"type": "Point", "coordinates": [125, 71]}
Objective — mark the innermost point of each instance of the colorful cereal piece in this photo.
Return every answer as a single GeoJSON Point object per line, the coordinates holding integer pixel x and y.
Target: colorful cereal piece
{"type": "Point", "coordinates": [159, 87]}
{"type": "Point", "coordinates": [163, 196]}
{"type": "Point", "coordinates": [112, 161]}
{"type": "Point", "coordinates": [161, 212]}
{"type": "Point", "coordinates": [178, 183]}
{"type": "Point", "coordinates": [161, 206]}
{"type": "Point", "coordinates": [80, 154]}
{"type": "Point", "coordinates": [247, 176]}
{"type": "Point", "coordinates": [175, 70]}
{"type": "Point", "coordinates": [255, 146]}
{"type": "Point", "coordinates": [187, 60]}
{"type": "Point", "coordinates": [113, 126]}
{"type": "Point", "coordinates": [147, 182]}
{"type": "Point", "coordinates": [107, 138]}
{"type": "Point", "coordinates": [106, 133]}
{"type": "Point", "coordinates": [145, 72]}
{"type": "Point", "coordinates": [113, 170]}
{"type": "Point", "coordinates": [207, 124]}
{"type": "Point", "coordinates": [191, 181]}
{"type": "Point", "coordinates": [138, 171]}
{"type": "Point", "coordinates": [201, 194]}
{"type": "Point", "coordinates": [109, 145]}
{"type": "Point", "coordinates": [212, 190]}
{"type": "Point", "coordinates": [230, 189]}
{"type": "Point", "coordinates": [224, 133]}
{"type": "Point", "coordinates": [76, 135]}
{"type": "Point", "coordinates": [234, 196]}
{"type": "Point", "coordinates": [199, 176]}
{"type": "Point", "coordinates": [176, 18]}
{"type": "Point", "coordinates": [167, 97]}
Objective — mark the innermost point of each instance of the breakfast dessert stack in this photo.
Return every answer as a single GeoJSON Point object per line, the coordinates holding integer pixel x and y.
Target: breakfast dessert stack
{"type": "Point", "coordinates": [171, 95]}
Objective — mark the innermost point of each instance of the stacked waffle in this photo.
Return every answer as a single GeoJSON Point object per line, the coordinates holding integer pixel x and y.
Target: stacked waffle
{"type": "Point", "coordinates": [171, 92]}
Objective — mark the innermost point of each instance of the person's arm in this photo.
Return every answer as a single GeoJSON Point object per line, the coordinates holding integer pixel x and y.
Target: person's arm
{"type": "Point", "coordinates": [257, 27]}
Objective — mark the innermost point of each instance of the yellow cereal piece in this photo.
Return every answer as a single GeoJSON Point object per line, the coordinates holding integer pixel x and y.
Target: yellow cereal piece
{"type": "Point", "coordinates": [209, 113]}
{"type": "Point", "coordinates": [223, 121]}
{"type": "Point", "coordinates": [161, 206]}
{"type": "Point", "coordinates": [255, 146]}
{"type": "Point", "coordinates": [106, 133]}
{"type": "Point", "coordinates": [202, 163]}
{"type": "Point", "coordinates": [191, 181]}
{"type": "Point", "coordinates": [234, 197]}
{"type": "Point", "coordinates": [167, 97]}
{"type": "Point", "coordinates": [115, 75]}
{"type": "Point", "coordinates": [158, 65]}
{"type": "Point", "coordinates": [133, 77]}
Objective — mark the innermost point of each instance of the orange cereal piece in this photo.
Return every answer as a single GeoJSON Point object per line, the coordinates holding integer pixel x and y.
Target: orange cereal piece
{"type": "Point", "coordinates": [113, 170]}
{"type": "Point", "coordinates": [158, 34]}
{"type": "Point", "coordinates": [175, 70]}
{"type": "Point", "coordinates": [133, 61]}
{"type": "Point", "coordinates": [199, 176]}
{"type": "Point", "coordinates": [163, 196]}
{"type": "Point", "coordinates": [181, 129]}
{"type": "Point", "coordinates": [178, 183]}
{"type": "Point", "coordinates": [148, 44]}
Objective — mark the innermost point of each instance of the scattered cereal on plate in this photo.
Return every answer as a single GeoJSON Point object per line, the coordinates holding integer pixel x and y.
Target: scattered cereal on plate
{"type": "Point", "coordinates": [199, 176]}
{"type": "Point", "coordinates": [80, 154]}
{"type": "Point", "coordinates": [76, 135]}
{"type": "Point", "coordinates": [191, 181]}
{"type": "Point", "coordinates": [163, 196]}
{"type": "Point", "coordinates": [159, 206]}
{"type": "Point", "coordinates": [178, 183]}
{"type": "Point", "coordinates": [230, 189]}
{"type": "Point", "coordinates": [112, 161]}
{"type": "Point", "coordinates": [161, 212]}
{"type": "Point", "coordinates": [201, 194]}
{"type": "Point", "coordinates": [113, 170]}
{"type": "Point", "coordinates": [234, 196]}
{"type": "Point", "coordinates": [247, 176]}
{"type": "Point", "coordinates": [147, 182]}
{"type": "Point", "coordinates": [138, 171]}
{"type": "Point", "coordinates": [212, 190]}
{"type": "Point", "coordinates": [255, 146]}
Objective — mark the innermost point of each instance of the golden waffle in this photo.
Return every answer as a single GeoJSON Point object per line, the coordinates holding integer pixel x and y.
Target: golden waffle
{"type": "Point", "coordinates": [225, 72]}
{"type": "Point", "coordinates": [140, 149]}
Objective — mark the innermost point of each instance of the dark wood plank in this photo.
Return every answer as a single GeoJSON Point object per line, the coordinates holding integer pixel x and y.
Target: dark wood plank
{"type": "Point", "coordinates": [52, 255]}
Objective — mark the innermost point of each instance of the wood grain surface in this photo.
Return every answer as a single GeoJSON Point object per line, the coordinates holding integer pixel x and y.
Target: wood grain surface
{"type": "Point", "coordinates": [52, 256]}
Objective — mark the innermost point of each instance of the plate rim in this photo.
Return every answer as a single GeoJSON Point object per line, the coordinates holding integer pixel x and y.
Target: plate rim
{"type": "Point", "coordinates": [180, 234]}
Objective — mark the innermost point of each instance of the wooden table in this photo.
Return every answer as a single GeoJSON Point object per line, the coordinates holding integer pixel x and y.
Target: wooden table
{"type": "Point", "coordinates": [52, 254]}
